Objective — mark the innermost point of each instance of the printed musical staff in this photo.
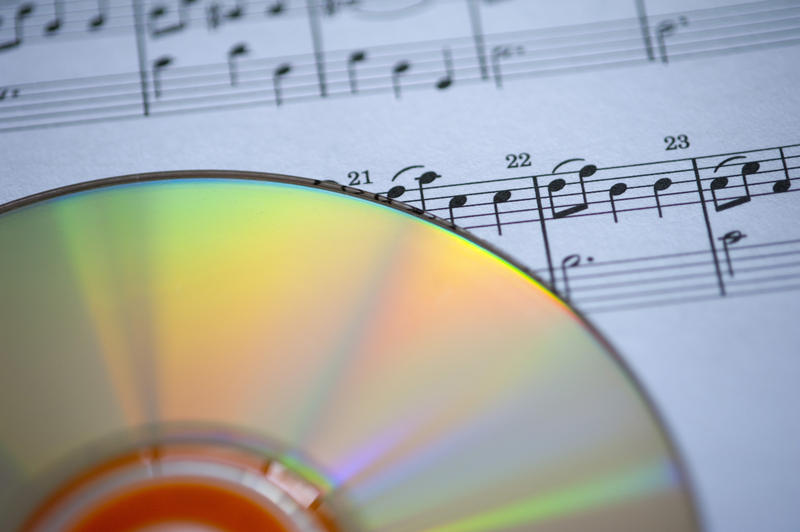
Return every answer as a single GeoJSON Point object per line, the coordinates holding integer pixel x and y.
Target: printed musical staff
{"type": "Point", "coordinates": [609, 191]}
{"type": "Point", "coordinates": [385, 68]}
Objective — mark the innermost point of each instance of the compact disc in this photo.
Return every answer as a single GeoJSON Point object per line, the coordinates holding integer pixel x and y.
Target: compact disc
{"type": "Point", "coordinates": [234, 351]}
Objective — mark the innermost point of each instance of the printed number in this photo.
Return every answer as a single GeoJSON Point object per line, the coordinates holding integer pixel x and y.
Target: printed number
{"type": "Point", "coordinates": [518, 160]}
{"type": "Point", "coordinates": [356, 177]}
{"type": "Point", "coordinates": [681, 142]}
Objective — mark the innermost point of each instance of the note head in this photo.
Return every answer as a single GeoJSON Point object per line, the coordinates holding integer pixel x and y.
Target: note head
{"type": "Point", "coordinates": [161, 62]}
{"type": "Point", "coordinates": [618, 188]}
{"type": "Point", "coordinates": [401, 67]}
{"type": "Point", "coordinates": [502, 196]}
{"type": "Point", "coordinates": [97, 22]}
{"type": "Point", "coordinates": [556, 184]}
{"type": "Point", "coordinates": [587, 170]}
{"type": "Point", "coordinates": [358, 55]}
{"type": "Point", "coordinates": [428, 178]}
{"type": "Point", "coordinates": [444, 83]}
{"type": "Point", "coordinates": [52, 27]}
{"type": "Point", "coordinates": [571, 261]}
{"type": "Point", "coordinates": [25, 10]}
{"type": "Point", "coordinates": [781, 186]}
{"type": "Point", "coordinates": [396, 192]}
{"type": "Point", "coordinates": [719, 182]}
{"type": "Point", "coordinates": [275, 9]}
{"type": "Point", "coordinates": [750, 168]}
{"type": "Point", "coordinates": [283, 69]}
{"type": "Point", "coordinates": [663, 184]}
{"type": "Point", "coordinates": [458, 201]}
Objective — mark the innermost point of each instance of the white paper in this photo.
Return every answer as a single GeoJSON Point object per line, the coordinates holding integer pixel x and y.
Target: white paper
{"type": "Point", "coordinates": [488, 84]}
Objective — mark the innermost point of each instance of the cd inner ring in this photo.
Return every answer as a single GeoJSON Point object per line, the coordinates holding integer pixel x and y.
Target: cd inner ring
{"type": "Point", "coordinates": [186, 488]}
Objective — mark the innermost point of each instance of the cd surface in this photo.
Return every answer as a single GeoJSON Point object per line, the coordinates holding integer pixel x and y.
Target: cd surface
{"type": "Point", "coordinates": [333, 361]}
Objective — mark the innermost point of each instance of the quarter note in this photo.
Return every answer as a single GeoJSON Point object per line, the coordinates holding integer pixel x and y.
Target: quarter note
{"type": "Point", "coordinates": [500, 197]}
{"type": "Point", "coordinates": [719, 183]}
{"type": "Point", "coordinates": [616, 190]}
{"type": "Point", "coordinates": [660, 186]}
{"type": "Point", "coordinates": [52, 27]}
{"type": "Point", "coordinates": [728, 239]}
{"type": "Point", "coordinates": [785, 184]}
{"type": "Point", "coordinates": [97, 21]}
{"type": "Point", "coordinates": [456, 202]}
{"type": "Point", "coordinates": [447, 80]}
{"type": "Point", "coordinates": [281, 71]}
{"type": "Point", "coordinates": [158, 67]}
{"type": "Point", "coordinates": [23, 12]}
{"type": "Point", "coordinates": [399, 68]}
{"type": "Point", "coordinates": [234, 53]}
{"type": "Point", "coordinates": [357, 56]}
{"type": "Point", "coordinates": [559, 183]}
{"type": "Point", "coordinates": [425, 179]}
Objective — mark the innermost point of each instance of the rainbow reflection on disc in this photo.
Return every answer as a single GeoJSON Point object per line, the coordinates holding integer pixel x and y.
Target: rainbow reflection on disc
{"type": "Point", "coordinates": [399, 375]}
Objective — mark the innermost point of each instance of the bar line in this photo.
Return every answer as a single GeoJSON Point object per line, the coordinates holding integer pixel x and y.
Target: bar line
{"type": "Point", "coordinates": [645, 26]}
{"type": "Point", "coordinates": [708, 227]}
{"type": "Point", "coordinates": [316, 39]}
{"type": "Point", "coordinates": [477, 35]}
{"type": "Point", "coordinates": [543, 227]}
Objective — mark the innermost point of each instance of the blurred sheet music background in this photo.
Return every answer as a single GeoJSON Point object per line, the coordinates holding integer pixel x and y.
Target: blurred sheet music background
{"type": "Point", "coordinates": [641, 156]}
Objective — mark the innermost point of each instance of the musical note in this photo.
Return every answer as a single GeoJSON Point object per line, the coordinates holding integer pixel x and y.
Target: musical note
{"type": "Point", "coordinates": [160, 11]}
{"type": "Point", "coordinates": [276, 8]}
{"type": "Point", "coordinates": [23, 11]}
{"type": "Point", "coordinates": [279, 73]}
{"type": "Point", "coordinates": [97, 21]}
{"type": "Point", "coordinates": [570, 261]}
{"type": "Point", "coordinates": [158, 66]}
{"type": "Point", "coordinates": [559, 183]}
{"type": "Point", "coordinates": [357, 56]}
{"type": "Point", "coordinates": [235, 52]}
{"type": "Point", "coordinates": [4, 91]}
{"type": "Point", "coordinates": [660, 186]}
{"type": "Point", "coordinates": [664, 30]}
{"type": "Point", "coordinates": [616, 190]}
{"type": "Point", "coordinates": [499, 53]}
{"type": "Point", "coordinates": [456, 202]}
{"type": "Point", "coordinates": [785, 184]}
{"type": "Point", "coordinates": [395, 192]}
{"type": "Point", "coordinates": [728, 239]}
{"type": "Point", "coordinates": [214, 16]}
{"type": "Point", "coordinates": [719, 183]}
{"type": "Point", "coordinates": [500, 197]}
{"type": "Point", "coordinates": [447, 80]}
{"type": "Point", "coordinates": [399, 68]}
{"type": "Point", "coordinates": [425, 179]}
{"type": "Point", "coordinates": [52, 27]}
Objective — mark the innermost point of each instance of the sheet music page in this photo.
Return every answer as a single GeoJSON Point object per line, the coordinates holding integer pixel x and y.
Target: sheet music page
{"type": "Point", "coordinates": [642, 157]}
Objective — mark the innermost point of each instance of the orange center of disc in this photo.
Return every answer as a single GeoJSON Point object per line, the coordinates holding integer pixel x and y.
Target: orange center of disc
{"type": "Point", "coordinates": [180, 503]}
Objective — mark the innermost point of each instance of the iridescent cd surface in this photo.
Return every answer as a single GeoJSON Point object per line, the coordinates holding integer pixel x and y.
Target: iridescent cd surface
{"type": "Point", "coordinates": [421, 381]}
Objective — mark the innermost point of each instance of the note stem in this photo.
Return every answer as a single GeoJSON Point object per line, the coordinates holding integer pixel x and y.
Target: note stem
{"type": "Point", "coordinates": [279, 73]}
{"type": "Point", "coordinates": [356, 57]}
{"type": "Point", "coordinates": [784, 184]}
{"type": "Point", "coordinates": [616, 190]}
{"type": "Point", "coordinates": [397, 71]}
